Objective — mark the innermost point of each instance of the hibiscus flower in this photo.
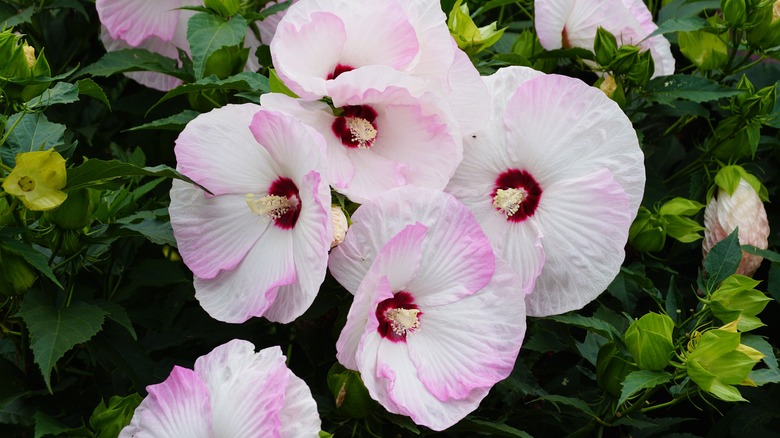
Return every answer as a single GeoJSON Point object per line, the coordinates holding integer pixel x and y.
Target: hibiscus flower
{"type": "Point", "coordinates": [232, 392]}
{"type": "Point", "coordinates": [555, 179]}
{"type": "Point", "coordinates": [258, 245]}
{"type": "Point", "coordinates": [437, 319]}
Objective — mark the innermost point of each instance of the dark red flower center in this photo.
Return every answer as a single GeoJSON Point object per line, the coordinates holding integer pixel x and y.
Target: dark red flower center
{"type": "Point", "coordinates": [516, 194]}
{"type": "Point", "coordinates": [286, 188]}
{"type": "Point", "coordinates": [339, 69]}
{"type": "Point", "coordinates": [356, 126]}
{"type": "Point", "coordinates": [398, 316]}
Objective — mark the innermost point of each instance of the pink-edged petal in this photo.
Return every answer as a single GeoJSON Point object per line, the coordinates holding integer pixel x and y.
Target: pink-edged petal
{"type": "Point", "coordinates": [549, 21]}
{"type": "Point", "coordinates": [472, 343]}
{"type": "Point", "coordinates": [312, 235]}
{"type": "Point", "coordinates": [361, 319]}
{"type": "Point", "coordinates": [299, 416]}
{"type": "Point", "coordinates": [214, 233]}
{"type": "Point", "coordinates": [377, 222]}
{"type": "Point", "coordinates": [248, 290]}
{"type": "Point", "coordinates": [218, 151]}
{"type": "Point", "coordinates": [295, 147]}
{"type": "Point", "coordinates": [391, 379]}
{"type": "Point", "coordinates": [247, 388]}
{"type": "Point", "coordinates": [560, 128]}
{"type": "Point", "coordinates": [503, 83]}
{"type": "Point", "coordinates": [136, 20]}
{"type": "Point", "coordinates": [585, 223]}
{"type": "Point", "coordinates": [520, 244]}
{"type": "Point", "coordinates": [658, 45]}
{"type": "Point", "coordinates": [178, 407]}
{"type": "Point", "coordinates": [301, 39]}
{"type": "Point", "coordinates": [374, 174]}
{"type": "Point", "coordinates": [436, 44]}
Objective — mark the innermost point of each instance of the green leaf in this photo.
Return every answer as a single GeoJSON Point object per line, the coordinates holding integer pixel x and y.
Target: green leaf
{"type": "Point", "coordinates": [46, 426]}
{"type": "Point", "coordinates": [54, 331]}
{"type": "Point", "coordinates": [155, 230]}
{"type": "Point", "coordinates": [208, 33]}
{"type": "Point", "coordinates": [24, 16]}
{"type": "Point", "coordinates": [244, 81]}
{"type": "Point", "coordinates": [770, 374]}
{"type": "Point", "coordinates": [276, 84]}
{"type": "Point", "coordinates": [770, 255]}
{"type": "Point", "coordinates": [570, 401]}
{"type": "Point", "coordinates": [34, 257]}
{"type": "Point", "coordinates": [127, 60]}
{"type": "Point", "coordinates": [62, 92]}
{"type": "Point", "coordinates": [118, 314]}
{"type": "Point", "coordinates": [680, 207]}
{"type": "Point", "coordinates": [34, 132]}
{"type": "Point", "coordinates": [685, 24]}
{"type": "Point", "coordinates": [489, 427]}
{"type": "Point", "coordinates": [595, 325]}
{"type": "Point", "coordinates": [684, 229]}
{"type": "Point", "coordinates": [95, 172]}
{"type": "Point", "coordinates": [723, 260]}
{"type": "Point", "coordinates": [176, 122]}
{"type": "Point", "coordinates": [666, 89]}
{"type": "Point", "coordinates": [88, 87]}
{"type": "Point", "coordinates": [642, 379]}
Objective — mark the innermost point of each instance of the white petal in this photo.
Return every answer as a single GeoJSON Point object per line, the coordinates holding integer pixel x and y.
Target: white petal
{"type": "Point", "coordinates": [299, 415]}
{"type": "Point", "coordinates": [520, 244]}
{"type": "Point", "coordinates": [467, 93]}
{"type": "Point", "coordinates": [585, 223]}
{"type": "Point", "coordinates": [361, 320]}
{"type": "Point", "coordinates": [247, 388]}
{"type": "Point", "coordinates": [470, 344]}
{"type": "Point", "coordinates": [213, 233]}
{"type": "Point", "coordinates": [247, 291]}
{"type": "Point", "coordinates": [136, 20]}
{"type": "Point", "coordinates": [175, 408]}
{"type": "Point", "coordinates": [218, 151]}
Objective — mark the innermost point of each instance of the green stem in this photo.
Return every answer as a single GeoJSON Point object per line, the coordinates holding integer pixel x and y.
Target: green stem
{"type": "Point", "coordinates": [11, 129]}
{"type": "Point", "coordinates": [671, 402]}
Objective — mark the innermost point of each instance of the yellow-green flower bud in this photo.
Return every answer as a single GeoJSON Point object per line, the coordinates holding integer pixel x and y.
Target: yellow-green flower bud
{"type": "Point", "coordinates": [766, 34]}
{"type": "Point", "coordinates": [733, 12]}
{"type": "Point", "coordinates": [649, 340]}
{"type": "Point", "coordinates": [737, 300]}
{"type": "Point", "coordinates": [18, 62]}
{"type": "Point", "coordinates": [612, 367]}
{"type": "Point", "coordinates": [349, 392]}
{"type": "Point", "coordinates": [717, 362]}
{"type": "Point", "coordinates": [470, 38]}
{"type": "Point", "coordinates": [604, 46]}
{"type": "Point", "coordinates": [647, 233]}
{"type": "Point", "coordinates": [38, 179]}
{"type": "Point", "coordinates": [108, 421]}
{"type": "Point", "coordinates": [75, 212]}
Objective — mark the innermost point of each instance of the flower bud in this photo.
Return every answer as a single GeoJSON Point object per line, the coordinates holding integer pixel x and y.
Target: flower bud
{"type": "Point", "coordinates": [737, 300]}
{"type": "Point", "coordinates": [625, 58]}
{"type": "Point", "coordinates": [612, 367]}
{"type": "Point", "coordinates": [706, 50]}
{"type": "Point", "coordinates": [766, 33]}
{"type": "Point", "coordinates": [16, 275]}
{"type": "Point", "coordinates": [75, 212]}
{"type": "Point", "coordinates": [470, 38]}
{"type": "Point", "coordinates": [649, 340]}
{"type": "Point", "coordinates": [18, 61]}
{"type": "Point", "coordinates": [604, 46]}
{"type": "Point", "coordinates": [37, 179]}
{"type": "Point", "coordinates": [733, 12]}
{"type": "Point", "coordinates": [340, 225]}
{"type": "Point", "coordinates": [349, 392]}
{"type": "Point", "coordinates": [108, 421]}
{"type": "Point", "coordinates": [225, 8]}
{"type": "Point", "coordinates": [226, 61]}
{"type": "Point", "coordinates": [717, 362]}
{"type": "Point", "coordinates": [647, 233]}
{"type": "Point", "coordinates": [732, 208]}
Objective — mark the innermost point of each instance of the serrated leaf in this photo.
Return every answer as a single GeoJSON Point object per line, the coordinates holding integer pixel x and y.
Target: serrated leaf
{"type": "Point", "coordinates": [665, 89]}
{"type": "Point", "coordinates": [127, 60]}
{"type": "Point", "coordinates": [88, 87]}
{"type": "Point", "coordinates": [155, 230]}
{"type": "Point", "coordinates": [32, 256]}
{"type": "Point", "coordinates": [685, 24]}
{"type": "Point", "coordinates": [24, 16]}
{"type": "Point", "coordinates": [118, 314]}
{"type": "Point", "coordinates": [176, 122]}
{"type": "Point", "coordinates": [34, 132]}
{"type": "Point", "coordinates": [244, 81]}
{"type": "Point", "coordinates": [595, 325]}
{"type": "Point", "coordinates": [53, 331]}
{"type": "Point", "coordinates": [46, 425]}
{"type": "Point", "coordinates": [642, 379]}
{"type": "Point", "coordinates": [762, 376]}
{"type": "Point", "coordinates": [60, 93]}
{"type": "Point", "coordinates": [94, 172]}
{"type": "Point", "coordinates": [770, 255]}
{"type": "Point", "coordinates": [208, 33]}
{"type": "Point", "coordinates": [723, 260]}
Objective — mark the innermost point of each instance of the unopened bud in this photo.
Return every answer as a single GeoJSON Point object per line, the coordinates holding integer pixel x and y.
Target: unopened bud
{"type": "Point", "coordinates": [340, 225]}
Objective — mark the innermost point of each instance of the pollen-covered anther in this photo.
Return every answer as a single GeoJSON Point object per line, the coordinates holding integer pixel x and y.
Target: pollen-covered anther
{"type": "Point", "coordinates": [271, 206]}
{"type": "Point", "coordinates": [363, 132]}
{"type": "Point", "coordinates": [509, 200]}
{"type": "Point", "coordinates": [403, 320]}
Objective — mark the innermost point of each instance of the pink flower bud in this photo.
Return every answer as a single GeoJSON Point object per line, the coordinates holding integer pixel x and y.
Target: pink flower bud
{"type": "Point", "coordinates": [742, 209]}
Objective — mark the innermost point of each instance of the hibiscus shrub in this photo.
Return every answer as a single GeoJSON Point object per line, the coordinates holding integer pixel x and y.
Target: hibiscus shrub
{"type": "Point", "coordinates": [389, 218]}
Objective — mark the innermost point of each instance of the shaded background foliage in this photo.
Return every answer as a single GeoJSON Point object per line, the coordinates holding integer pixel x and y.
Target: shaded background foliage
{"type": "Point", "coordinates": [130, 303]}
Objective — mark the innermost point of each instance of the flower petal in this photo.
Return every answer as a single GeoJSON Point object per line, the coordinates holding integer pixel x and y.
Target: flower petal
{"type": "Point", "coordinates": [585, 222]}
{"type": "Point", "coordinates": [136, 20]}
{"type": "Point", "coordinates": [248, 290]}
{"type": "Point", "coordinates": [361, 319]}
{"type": "Point", "coordinates": [472, 343]}
{"type": "Point", "coordinates": [218, 151]}
{"type": "Point", "coordinates": [213, 233]}
{"type": "Point", "coordinates": [299, 416]}
{"type": "Point", "coordinates": [177, 407]}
